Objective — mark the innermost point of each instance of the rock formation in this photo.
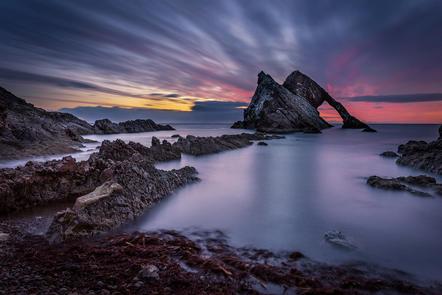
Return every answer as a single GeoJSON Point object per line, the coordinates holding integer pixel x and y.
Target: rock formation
{"type": "Point", "coordinates": [292, 106]}
{"type": "Point", "coordinates": [105, 126]}
{"type": "Point", "coordinates": [422, 155]}
{"type": "Point", "coordinates": [195, 145]}
{"type": "Point", "coordinates": [403, 184]}
{"type": "Point", "coordinates": [27, 131]}
{"type": "Point", "coordinates": [134, 186]}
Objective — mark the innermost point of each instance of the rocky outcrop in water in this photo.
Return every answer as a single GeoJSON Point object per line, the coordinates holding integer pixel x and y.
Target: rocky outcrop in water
{"type": "Point", "coordinates": [389, 154]}
{"type": "Point", "coordinates": [422, 155]}
{"type": "Point", "coordinates": [135, 185]}
{"type": "Point", "coordinates": [403, 183]}
{"type": "Point", "coordinates": [27, 131]}
{"type": "Point", "coordinates": [105, 126]}
{"type": "Point", "coordinates": [197, 146]}
{"type": "Point", "coordinates": [61, 180]}
{"type": "Point", "coordinates": [292, 107]}
{"type": "Point", "coordinates": [338, 239]}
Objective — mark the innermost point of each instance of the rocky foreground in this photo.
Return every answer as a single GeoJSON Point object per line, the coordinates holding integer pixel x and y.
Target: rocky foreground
{"type": "Point", "coordinates": [292, 107]}
{"type": "Point", "coordinates": [171, 262]}
{"type": "Point", "coordinates": [27, 131]}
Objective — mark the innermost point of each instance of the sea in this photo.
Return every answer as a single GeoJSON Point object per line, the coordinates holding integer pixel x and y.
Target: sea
{"type": "Point", "coordinates": [287, 195]}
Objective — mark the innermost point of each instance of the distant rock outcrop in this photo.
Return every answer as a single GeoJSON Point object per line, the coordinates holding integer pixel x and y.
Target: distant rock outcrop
{"type": "Point", "coordinates": [292, 106]}
{"type": "Point", "coordinates": [27, 131]}
{"type": "Point", "coordinates": [105, 126]}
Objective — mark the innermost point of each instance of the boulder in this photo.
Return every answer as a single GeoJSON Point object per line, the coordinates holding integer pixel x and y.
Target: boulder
{"type": "Point", "coordinates": [389, 154]}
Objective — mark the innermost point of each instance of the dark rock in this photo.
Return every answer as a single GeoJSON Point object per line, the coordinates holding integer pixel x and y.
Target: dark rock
{"type": "Point", "coordinates": [389, 154]}
{"type": "Point", "coordinates": [303, 86]}
{"type": "Point", "coordinates": [176, 136]}
{"type": "Point", "coordinates": [29, 131]}
{"type": "Point", "coordinates": [194, 145]}
{"type": "Point", "coordinates": [366, 129]}
{"type": "Point", "coordinates": [105, 126]}
{"type": "Point", "coordinates": [422, 155]}
{"type": "Point", "coordinates": [275, 109]}
{"type": "Point", "coordinates": [134, 186]}
{"type": "Point", "coordinates": [337, 238]}
{"type": "Point", "coordinates": [279, 109]}
{"type": "Point", "coordinates": [394, 184]}
{"type": "Point", "coordinates": [262, 143]}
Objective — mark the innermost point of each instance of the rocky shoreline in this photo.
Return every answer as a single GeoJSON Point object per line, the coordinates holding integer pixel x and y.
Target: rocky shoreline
{"type": "Point", "coordinates": [170, 262]}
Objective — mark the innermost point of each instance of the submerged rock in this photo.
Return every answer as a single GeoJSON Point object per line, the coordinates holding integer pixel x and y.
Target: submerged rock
{"type": "Point", "coordinates": [262, 143]}
{"type": "Point", "coordinates": [389, 154]}
{"type": "Point", "coordinates": [422, 155]}
{"type": "Point", "coordinates": [337, 238]}
{"type": "Point", "coordinates": [397, 184]}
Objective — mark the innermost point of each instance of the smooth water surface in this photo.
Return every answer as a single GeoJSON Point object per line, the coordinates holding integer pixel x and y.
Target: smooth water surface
{"type": "Point", "coordinates": [285, 196]}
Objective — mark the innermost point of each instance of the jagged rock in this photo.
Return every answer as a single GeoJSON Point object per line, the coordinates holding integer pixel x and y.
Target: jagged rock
{"type": "Point", "coordinates": [395, 184]}
{"type": "Point", "coordinates": [29, 131]}
{"type": "Point", "coordinates": [58, 180]}
{"type": "Point", "coordinates": [195, 145]}
{"type": "Point", "coordinates": [422, 155]}
{"type": "Point", "coordinates": [389, 154]}
{"type": "Point", "coordinates": [275, 109]}
{"type": "Point", "coordinates": [302, 85]}
{"type": "Point", "coordinates": [105, 126]}
{"type": "Point", "coordinates": [134, 186]}
{"type": "Point", "coordinates": [337, 238]}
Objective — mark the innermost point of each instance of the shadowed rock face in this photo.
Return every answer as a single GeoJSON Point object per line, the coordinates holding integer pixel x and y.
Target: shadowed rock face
{"type": "Point", "coordinates": [302, 85]}
{"type": "Point", "coordinates": [292, 107]}
{"type": "Point", "coordinates": [422, 155]}
{"type": "Point", "coordinates": [26, 130]}
{"type": "Point", "coordinates": [275, 109]}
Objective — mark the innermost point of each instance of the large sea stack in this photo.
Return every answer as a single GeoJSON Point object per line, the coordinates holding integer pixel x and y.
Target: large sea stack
{"type": "Point", "coordinates": [292, 107]}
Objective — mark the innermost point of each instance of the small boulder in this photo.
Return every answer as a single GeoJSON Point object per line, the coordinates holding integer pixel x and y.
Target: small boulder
{"type": "Point", "coordinates": [262, 143]}
{"type": "Point", "coordinates": [339, 239]}
{"type": "Point", "coordinates": [149, 272]}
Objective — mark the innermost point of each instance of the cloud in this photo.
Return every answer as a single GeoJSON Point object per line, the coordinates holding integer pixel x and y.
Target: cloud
{"type": "Point", "coordinates": [400, 98]}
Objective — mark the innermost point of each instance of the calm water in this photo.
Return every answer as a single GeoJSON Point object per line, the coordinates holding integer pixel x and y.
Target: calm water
{"type": "Point", "coordinates": [287, 195]}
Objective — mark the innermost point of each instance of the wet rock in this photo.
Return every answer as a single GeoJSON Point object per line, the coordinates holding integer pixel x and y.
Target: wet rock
{"type": "Point", "coordinates": [389, 154]}
{"type": "Point", "coordinates": [149, 272]}
{"type": "Point", "coordinates": [134, 186]}
{"type": "Point", "coordinates": [262, 143]}
{"type": "Point", "coordinates": [337, 238]}
{"type": "Point", "coordinates": [195, 145]}
{"type": "Point", "coordinates": [422, 155]}
{"type": "Point", "coordinates": [176, 136]}
{"type": "Point", "coordinates": [394, 184]}
{"type": "Point", "coordinates": [275, 109]}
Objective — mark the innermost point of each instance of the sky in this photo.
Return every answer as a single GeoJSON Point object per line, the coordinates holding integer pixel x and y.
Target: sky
{"type": "Point", "coordinates": [381, 59]}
